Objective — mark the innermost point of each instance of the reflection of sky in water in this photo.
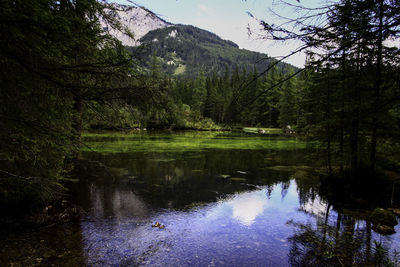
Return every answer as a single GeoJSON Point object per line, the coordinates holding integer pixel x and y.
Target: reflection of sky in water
{"type": "Point", "coordinates": [246, 207]}
{"type": "Point", "coordinates": [246, 229]}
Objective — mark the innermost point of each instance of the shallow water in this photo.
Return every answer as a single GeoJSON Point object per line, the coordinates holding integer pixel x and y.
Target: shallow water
{"type": "Point", "coordinates": [224, 199]}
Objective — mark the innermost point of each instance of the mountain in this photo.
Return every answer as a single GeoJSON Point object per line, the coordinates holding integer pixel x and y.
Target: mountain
{"type": "Point", "coordinates": [184, 50]}
{"type": "Point", "coordinates": [137, 19]}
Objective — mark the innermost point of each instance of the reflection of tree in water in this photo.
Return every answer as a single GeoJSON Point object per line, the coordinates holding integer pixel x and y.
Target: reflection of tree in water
{"type": "Point", "coordinates": [181, 179]}
{"type": "Point", "coordinates": [285, 188]}
{"type": "Point", "coordinates": [340, 237]}
{"type": "Point", "coordinates": [342, 241]}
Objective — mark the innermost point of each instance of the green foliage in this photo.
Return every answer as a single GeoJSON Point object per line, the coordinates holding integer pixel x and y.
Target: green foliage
{"type": "Point", "coordinates": [112, 115]}
{"type": "Point", "coordinates": [382, 258]}
{"type": "Point", "coordinates": [199, 95]}
{"type": "Point", "coordinates": [235, 97]}
{"type": "Point", "coordinates": [351, 95]}
{"type": "Point", "coordinates": [54, 57]}
{"type": "Point", "coordinates": [288, 103]}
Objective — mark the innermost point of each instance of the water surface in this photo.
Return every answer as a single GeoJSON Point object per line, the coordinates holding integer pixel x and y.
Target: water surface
{"type": "Point", "coordinates": [224, 199]}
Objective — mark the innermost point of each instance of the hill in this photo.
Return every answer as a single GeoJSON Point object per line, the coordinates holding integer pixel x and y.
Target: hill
{"type": "Point", "coordinates": [185, 49]}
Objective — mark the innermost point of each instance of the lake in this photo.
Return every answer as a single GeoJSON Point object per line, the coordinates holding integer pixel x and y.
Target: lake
{"type": "Point", "coordinates": [202, 199]}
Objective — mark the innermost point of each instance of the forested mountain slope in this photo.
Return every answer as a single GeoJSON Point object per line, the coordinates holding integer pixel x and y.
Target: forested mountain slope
{"type": "Point", "coordinates": [185, 50]}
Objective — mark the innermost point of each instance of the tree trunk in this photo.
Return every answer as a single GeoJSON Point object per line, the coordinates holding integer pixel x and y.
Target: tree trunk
{"type": "Point", "coordinates": [328, 124]}
{"type": "Point", "coordinates": [378, 82]}
{"type": "Point", "coordinates": [355, 118]}
{"type": "Point", "coordinates": [342, 114]}
{"type": "Point", "coordinates": [78, 120]}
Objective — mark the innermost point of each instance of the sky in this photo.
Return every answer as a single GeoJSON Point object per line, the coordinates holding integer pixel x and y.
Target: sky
{"type": "Point", "coordinates": [228, 19]}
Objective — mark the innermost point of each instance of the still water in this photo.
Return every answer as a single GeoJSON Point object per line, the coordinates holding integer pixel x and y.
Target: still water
{"type": "Point", "coordinates": [223, 199]}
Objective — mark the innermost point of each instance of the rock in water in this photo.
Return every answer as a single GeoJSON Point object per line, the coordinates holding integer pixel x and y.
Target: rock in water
{"type": "Point", "coordinates": [383, 221]}
{"type": "Point", "coordinates": [158, 225]}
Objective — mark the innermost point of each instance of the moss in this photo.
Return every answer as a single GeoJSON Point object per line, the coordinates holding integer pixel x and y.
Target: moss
{"type": "Point", "coordinates": [124, 142]}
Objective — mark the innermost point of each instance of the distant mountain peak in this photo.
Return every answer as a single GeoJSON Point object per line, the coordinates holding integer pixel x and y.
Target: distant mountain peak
{"type": "Point", "coordinates": [137, 19]}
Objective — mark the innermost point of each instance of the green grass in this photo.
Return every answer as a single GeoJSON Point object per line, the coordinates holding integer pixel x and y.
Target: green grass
{"type": "Point", "coordinates": [120, 142]}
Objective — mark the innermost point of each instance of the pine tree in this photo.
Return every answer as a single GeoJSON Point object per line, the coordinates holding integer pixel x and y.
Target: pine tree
{"type": "Point", "coordinates": [199, 95]}
{"type": "Point", "coordinates": [54, 57]}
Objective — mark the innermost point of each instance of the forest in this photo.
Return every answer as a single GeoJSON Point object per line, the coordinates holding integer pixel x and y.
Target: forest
{"type": "Point", "coordinates": [62, 75]}
{"type": "Point", "coordinates": [160, 126]}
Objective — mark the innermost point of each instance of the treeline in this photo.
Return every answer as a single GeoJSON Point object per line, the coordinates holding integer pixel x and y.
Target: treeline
{"type": "Point", "coordinates": [236, 97]}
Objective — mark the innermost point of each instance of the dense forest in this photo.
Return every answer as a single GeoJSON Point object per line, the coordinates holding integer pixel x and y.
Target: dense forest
{"type": "Point", "coordinates": [62, 74]}
{"type": "Point", "coordinates": [204, 102]}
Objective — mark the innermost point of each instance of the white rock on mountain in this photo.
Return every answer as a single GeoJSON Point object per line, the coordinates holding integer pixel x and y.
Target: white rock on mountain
{"type": "Point", "coordinates": [173, 34]}
{"type": "Point", "coordinates": [138, 20]}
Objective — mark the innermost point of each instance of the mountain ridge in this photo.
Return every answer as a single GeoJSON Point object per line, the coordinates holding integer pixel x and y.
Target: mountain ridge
{"type": "Point", "coordinates": [184, 49]}
{"type": "Point", "coordinates": [187, 50]}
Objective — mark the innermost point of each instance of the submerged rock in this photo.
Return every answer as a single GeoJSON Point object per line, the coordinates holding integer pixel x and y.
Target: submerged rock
{"type": "Point", "coordinates": [383, 221]}
{"type": "Point", "coordinates": [384, 229]}
{"type": "Point", "coordinates": [395, 211]}
{"type": "Point", "coordinates": [158, 225]}
{"type": "Point", "coordinates": [384, 217]}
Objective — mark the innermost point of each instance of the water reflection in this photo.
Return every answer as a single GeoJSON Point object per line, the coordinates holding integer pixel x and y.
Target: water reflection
{"type": "Point", "coordinates": [177, 180]}
{"type": "Point", "coordinates": [343, 238]}
{"type": "Point", "coordinates": [246, 207]}
{"type": "Point", "coordinates": [236, 230]}
{"type": "Point", "coordinates": [340, 240]}
{"type": "Point", "coordinates": [110, 201]}
{"type": "Point", "coordinates": [219, 207]}
{"type": "Point", "coordinates": [242, 206]}
{"type": "Point", "coordinates": [251, 228]}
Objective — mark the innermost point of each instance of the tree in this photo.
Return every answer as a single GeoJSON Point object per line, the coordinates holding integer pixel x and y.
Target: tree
{"type": "Point", "coordinates": [267, 104]}
{"type": "Point", "coordinates": [199, 95]}
{"type": "Point", "coordinates": [288, 105]}
{"type": "Point", "coordinates": [348, 39]}
{"type": "Point", "coordinates": [54, 58]}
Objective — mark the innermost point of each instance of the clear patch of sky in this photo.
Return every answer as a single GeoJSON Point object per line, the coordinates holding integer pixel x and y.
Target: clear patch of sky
{"type": "Point", "coordinates": [229, 20]}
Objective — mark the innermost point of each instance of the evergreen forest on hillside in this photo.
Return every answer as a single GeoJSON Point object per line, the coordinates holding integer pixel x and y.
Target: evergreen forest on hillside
{"type": "Point", "coordinates": [62, 75]}
{"type": "Point", "coordinates": [184, 50]}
